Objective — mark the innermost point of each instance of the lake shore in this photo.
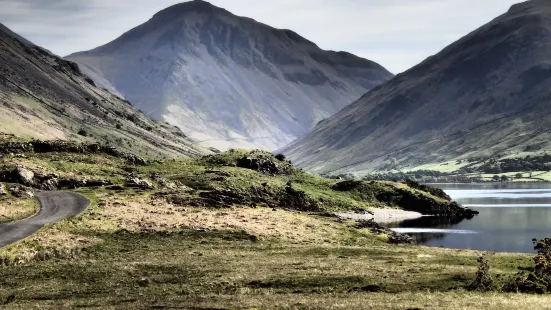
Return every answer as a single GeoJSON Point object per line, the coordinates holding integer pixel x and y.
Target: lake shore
{"type": "Point", "coordinates": [382, 216]}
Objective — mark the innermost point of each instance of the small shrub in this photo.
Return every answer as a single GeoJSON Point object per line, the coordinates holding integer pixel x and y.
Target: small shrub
{"type": "Point", "coordinates": [280, 157]}
{"type": "Point", "coordinates": [83, 132]}
{"type": "Point", "coordinates": [131, 117]}
{"type": "Point", "coordinates": [483, 281]}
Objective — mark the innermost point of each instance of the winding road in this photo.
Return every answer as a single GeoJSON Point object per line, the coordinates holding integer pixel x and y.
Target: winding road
{"type": "Point", "coordinates": [54, 207]}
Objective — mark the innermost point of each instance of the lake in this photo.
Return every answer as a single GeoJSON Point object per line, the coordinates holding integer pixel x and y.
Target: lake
{"type": "Point", "coordinates": [511, 215]}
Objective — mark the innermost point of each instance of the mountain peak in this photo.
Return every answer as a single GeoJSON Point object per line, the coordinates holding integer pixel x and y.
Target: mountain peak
{"type": "Point", "coordinates": [519, 7]}
{"type": "Point", "coordinates": [198, 6]}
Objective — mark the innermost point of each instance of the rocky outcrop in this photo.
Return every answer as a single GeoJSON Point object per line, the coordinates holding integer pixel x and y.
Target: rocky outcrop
{"type": "Point", "coordinates": [411, 201]}
{"type": "Point", "coordinates": [284, 198]}
{"type": "Point", "coordinates": [137, 182]}
{"type": "Point", "coordinates": [167, 184]}
{"type": "Point", "coordinates": [346, 186]}
{"type": "Point", "coordinates": [265, 164]}
{"type": "Point", "coordinates": [407, 199]}
{"type": "Point", "coordinates": [48, 182]}
{"type": "Point", "coordinates": [296, 199]}
{"type": "Point", "coordinates": [437, 192]}
{"type": "Point", "coordinates": [39, 146]}
{"type": "Point", "coordinates": [20, 191]}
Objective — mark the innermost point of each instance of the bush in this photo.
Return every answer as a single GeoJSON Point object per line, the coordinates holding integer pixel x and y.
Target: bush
{"type": "Point", "coordinates": [539, 280]}
{"type": "Point", "coordinates": [280, 157]}
{"type": "Point", "coordinates": [132, 118]}
{"type": "Point", "coordinates": [483, 281]}
{"type": "Point", "coordinates": [83, 132]}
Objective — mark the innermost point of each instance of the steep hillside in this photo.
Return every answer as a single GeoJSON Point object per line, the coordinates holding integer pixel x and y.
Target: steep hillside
{"type": "Point", "coordinates": [486, 95]}
{"type": "Point", "coordinates": [43, 96]}
{"type": "Point", "coordinates": [228, 81]}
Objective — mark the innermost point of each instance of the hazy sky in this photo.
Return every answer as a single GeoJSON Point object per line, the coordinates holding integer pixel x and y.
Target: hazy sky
{"type": "Point", "coordinates": [395, 33]}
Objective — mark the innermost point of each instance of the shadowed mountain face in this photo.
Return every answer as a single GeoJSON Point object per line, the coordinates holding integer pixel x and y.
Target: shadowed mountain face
{"type": "Point", "coordinates": [227, 80]}
{"type": "Point", "coordinates": [43, 96]}
{"type": "Point", "coordinates": [487, 94]}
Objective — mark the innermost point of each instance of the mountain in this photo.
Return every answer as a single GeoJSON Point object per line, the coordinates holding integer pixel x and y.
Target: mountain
{"type": "Point", "coordinates": [228, 81]}
{"type": "Point", "coordinates": [43, 96]}
{"type": "Point", "coordinates": [486, 95]}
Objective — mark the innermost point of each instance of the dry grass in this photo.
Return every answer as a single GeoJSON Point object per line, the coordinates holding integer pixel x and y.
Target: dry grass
{"type": "Point", "coordinates": [15, 209]}
{"type": "Point", "coordinates": [26, 118]}
{"type": "Point", "coordinates": [143, 213]}
{"type": "Point", "coordinates": [418, 300]}
{"type": "Point", "coordinates": [49, 243]}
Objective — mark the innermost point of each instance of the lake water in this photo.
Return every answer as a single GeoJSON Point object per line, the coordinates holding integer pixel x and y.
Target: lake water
{"type": "Point", "coordinates": [511, 215]}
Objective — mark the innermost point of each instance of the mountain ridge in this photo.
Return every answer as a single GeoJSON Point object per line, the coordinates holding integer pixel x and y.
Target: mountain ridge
{"type": "Point", "coordinates": [456, 104]}
{"type": "Point", "coordinates": [45, 97]}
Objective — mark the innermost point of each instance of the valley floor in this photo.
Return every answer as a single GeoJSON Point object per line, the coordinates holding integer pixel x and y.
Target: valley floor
{"type": "Point", "coordinates": [142, 249]}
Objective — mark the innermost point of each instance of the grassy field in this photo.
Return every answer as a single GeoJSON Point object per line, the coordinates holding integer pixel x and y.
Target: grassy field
{"type": "Point", "coordinates": [136, 249]}
{"type": "Point", "coordinates": [15, 209]}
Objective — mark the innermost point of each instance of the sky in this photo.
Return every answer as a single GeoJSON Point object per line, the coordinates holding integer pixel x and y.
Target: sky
{"type": "Point", "coordinates": [398, 34]}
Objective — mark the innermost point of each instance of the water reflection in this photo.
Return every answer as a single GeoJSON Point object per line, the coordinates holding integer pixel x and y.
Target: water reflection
{"type": "Point", "coordinates": [510, 216]}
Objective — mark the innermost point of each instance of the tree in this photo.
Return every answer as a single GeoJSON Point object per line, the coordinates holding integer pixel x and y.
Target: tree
{"type": "Point", "coordinates": [518, 176]}
{"type": "Point", "coordinates": [504, 178]}
{"type": "Point", "coordinates": [496, 178]}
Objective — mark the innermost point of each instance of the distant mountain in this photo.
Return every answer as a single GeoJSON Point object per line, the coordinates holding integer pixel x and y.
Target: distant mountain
{"type": "Point", "coordinates": [228, 81]}
{"type": "Point", "coordinates": [43, 96]}
{"type": "Point", "coordinates": [488, 94]}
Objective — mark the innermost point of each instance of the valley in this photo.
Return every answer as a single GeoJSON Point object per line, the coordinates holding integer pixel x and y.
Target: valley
{"type": "Point", "coordinates": [217, 231]}
{"type": "Point", "coordinates": [205, 160]}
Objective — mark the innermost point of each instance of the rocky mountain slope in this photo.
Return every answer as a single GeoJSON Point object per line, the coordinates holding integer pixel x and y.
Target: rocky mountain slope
{"type": "Point", "coordinates": [228, 81]}
{"type": "Point", "coordinates": [43, 96]}
{"type": "Point", "coordinates": [486, 95]}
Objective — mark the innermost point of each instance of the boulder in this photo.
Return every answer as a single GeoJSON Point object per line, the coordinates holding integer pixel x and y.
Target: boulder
{"type": "Point", "coordinates": [3, 191]}
{"type": "Point", "coordinates": [267, 165]}
{"type": "Point", "coordinates": [68, 183]}
{"type": "Point", "coordinates": [20, 191]}
{"type": "Point", "coordinates": [164, 183]}
{"type": "Point", "coordinates": [23, 176]}
{"type": "Point", "coordinates": [136, 182]}
{"type": "Point", "coordinates": [49, 185]}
